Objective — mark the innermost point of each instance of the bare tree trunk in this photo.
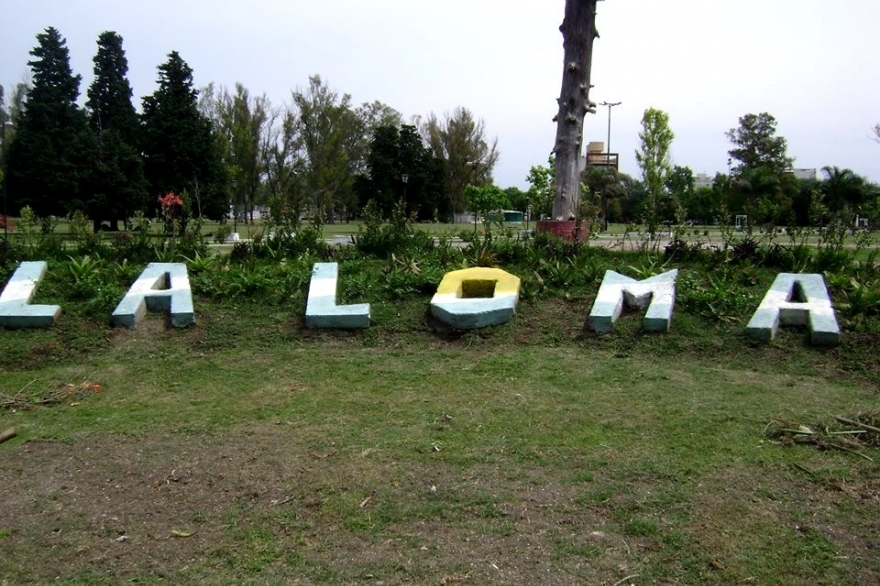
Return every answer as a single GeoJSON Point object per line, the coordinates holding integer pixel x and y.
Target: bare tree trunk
{"type": "Point", "coordinates": [578, 31]}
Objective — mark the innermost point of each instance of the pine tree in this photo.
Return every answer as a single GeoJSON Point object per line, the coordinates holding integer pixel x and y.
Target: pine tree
{"type": "Point", "coordinates": [118, 184]}
{"type": "Point", "coordinates": [180, 149]}
{"type": "Point", "coordinates": [48, 164]}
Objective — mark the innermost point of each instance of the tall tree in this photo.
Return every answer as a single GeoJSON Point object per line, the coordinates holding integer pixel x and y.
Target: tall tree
{"type": "Point", "coordinates": [578, 32]}
{"type": "Point", "coordinates": [118, 184]}
{"type": "Point", "coordinates": [181, 151]}
{"type": "Point", "coordinates": [335, 140]}
{"type": "Point", "coordinates": [760, 182]}
{"type": "Point", "coordinates": [284, 163]}
{"type": "Point", "coordinates": [398, 153]}
{"type": "Point", "coordinates": [654, 160]}
{"type": "Point", "coordinates": [48, 159]}
{"type": "Point", "coordinates": [757, 145]}
{"type": "Point", "coordinates": [9, 117]}
{"type": "Point", "coordinates": [243, 125]}
{"type": "Point", "coordinates": [469, 157]}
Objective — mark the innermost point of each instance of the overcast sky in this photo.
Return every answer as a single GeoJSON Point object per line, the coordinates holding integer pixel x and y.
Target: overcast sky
{"type": "Point", "coordinates": [811, 63]}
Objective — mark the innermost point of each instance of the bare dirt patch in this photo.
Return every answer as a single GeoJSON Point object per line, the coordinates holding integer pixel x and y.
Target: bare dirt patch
{"type": "Point", "coordinates": [260, 502]}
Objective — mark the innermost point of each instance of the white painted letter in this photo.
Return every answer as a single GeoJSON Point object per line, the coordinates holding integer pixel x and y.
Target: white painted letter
{"type": "Point", "coordinates": [321, 308]}
{"type": "Point", "coordinates": [160, 287]}
{"type": "Point", "coordinates": [797, 300]}
{"type": "Point", "coordinates": [15, 308]}
{"type": "Point", "coordinates": [617, 289]}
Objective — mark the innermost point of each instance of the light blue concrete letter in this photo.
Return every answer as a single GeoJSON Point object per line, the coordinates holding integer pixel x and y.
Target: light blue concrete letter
{"type": "Point", "coordinates": [321, 308]}
{"type": "Point", "coordinates": [160, 287]}
{"type": "Point", "coordinates": [617, 289]}
{"type": "Point", "coordinates": [797, 300]}
{"type": "Point", "coordinates": [15, 308]}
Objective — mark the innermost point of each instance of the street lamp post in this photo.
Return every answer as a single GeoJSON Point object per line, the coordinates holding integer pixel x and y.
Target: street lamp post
{"type": "Point", "coordinates": [608, 146]}
{"type": "Point", "coordinates": [405, 178]}
{"type": "Point", "coordinates": [608, 162]}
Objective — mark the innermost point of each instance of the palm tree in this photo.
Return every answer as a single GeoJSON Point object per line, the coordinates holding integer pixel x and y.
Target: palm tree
{"type": "Point", "coordinates": [842, 189]}
{"type": "Point", "coordinates": [758, 192]}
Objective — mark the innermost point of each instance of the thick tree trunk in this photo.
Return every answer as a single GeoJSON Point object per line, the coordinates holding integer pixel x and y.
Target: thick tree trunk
{"type": "Point", "coordinates": [578, 31]}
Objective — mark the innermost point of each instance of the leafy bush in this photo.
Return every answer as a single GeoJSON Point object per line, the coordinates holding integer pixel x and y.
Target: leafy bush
{"type": "Point", "coordinates": [380, 240]}
{"type": "Point", "coordinates": [682, 250]}
{"type": "Point", "coordinates": [716, 296]}
{"type": "Point", "coordinates": [223, 232]}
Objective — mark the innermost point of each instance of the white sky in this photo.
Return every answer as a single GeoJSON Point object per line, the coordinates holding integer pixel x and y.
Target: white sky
{"type": "Point", "coordinates": [811, 63]}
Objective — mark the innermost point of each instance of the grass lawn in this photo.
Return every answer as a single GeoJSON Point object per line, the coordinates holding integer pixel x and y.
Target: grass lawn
{"type": "Point", "coordinates": [249, 450]}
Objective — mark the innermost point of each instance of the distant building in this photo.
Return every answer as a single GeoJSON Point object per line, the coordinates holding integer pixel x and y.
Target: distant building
{"type": "Point", "coordinates": [804, 173]}
{"type": "Point", "coordinates": [597, 157]}
{"type": "Point", "coordinates": [703, 180]}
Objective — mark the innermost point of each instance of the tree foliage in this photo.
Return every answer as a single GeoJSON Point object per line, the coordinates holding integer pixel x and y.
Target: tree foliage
{"type": "Point", "coordinates": [469, 157]}
{"type": "Point", "coordinates": [757, 145]}
{"type": "Point", "coordinates": [486, 198]}
{"type": "Point", "coordinates": [48, 159]}
{"type": "Point", "coordinates": [242, 125]}
{"type": "Point", "coordinates": [761, 184]}
{"type": "Point", "coordinates": [10, 116]}
{"type": "Point", "coordinates": [542, 188]}
{"type": "Point", "coordinates": [843, 189]}
{"type": "Point", "coordinates": [680, 182]}
{"type": "Point", "coordinates": [335, 139]}
{"type": "Point", "coordinates": [654, 160]}
{"type": "Point", "coordinates": [118, 186]}
{"type": "Point", "coordinates": [395, 152]}
{"type": "Point", "coordinates": [606, 183]}
{"type": "Point", "coordinates": [181, 152]}
{"type": "Point", "coordinates": [517, 199]}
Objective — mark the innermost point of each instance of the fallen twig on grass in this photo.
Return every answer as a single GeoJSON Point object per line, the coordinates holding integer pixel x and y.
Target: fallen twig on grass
{"type": "Point", "coordinates": [827, 435]}
{"type": "Point", "coordinates": [864, 426]}
{"type": "Point", "coordinates": [51, 397]}
{"type": "Point", "coordinates": [7, 435]}
{"type": "Point", "coordinates": [619, 582]}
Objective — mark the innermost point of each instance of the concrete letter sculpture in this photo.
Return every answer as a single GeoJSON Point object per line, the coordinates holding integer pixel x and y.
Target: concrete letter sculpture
{"type": "Point", "coordinates": [798, 300]}
{"type": "Point", "coordinates": [657, 292]}
{"type": "Point", "coordinates": [15, 308]}
{"type": "Point", "coordinates": [321, 308]}
{"type": "Point", "coordinates": [452, 305]}
{"type": "Point", "coordinates": [160, 287]}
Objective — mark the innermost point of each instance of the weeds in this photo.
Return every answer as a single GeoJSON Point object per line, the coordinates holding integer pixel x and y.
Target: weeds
{"type": "Point", "coordinates": [61, 394]}
{"type": "Point", "coordinates": [849, 434]}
